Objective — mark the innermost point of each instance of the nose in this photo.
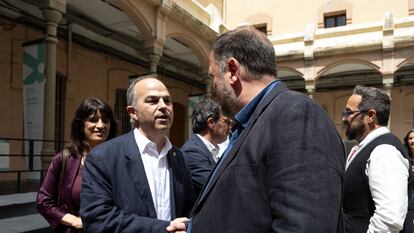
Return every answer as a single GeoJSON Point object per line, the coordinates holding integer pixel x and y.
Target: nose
{"type": "Point", "coordinates": [161, 104]}
{"type": "Point", "coordinates": [100, 124]}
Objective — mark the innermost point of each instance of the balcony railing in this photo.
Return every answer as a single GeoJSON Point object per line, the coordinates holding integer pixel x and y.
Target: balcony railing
{"type": "Point", "coordinates": [20, 180]}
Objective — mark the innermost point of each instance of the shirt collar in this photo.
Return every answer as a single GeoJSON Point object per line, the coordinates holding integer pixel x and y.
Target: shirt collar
{"type": "Point", "coordinates": [374, 134]}
{"type": "Point", "coordinates": [144, 144]}
{"type": "Point", "coordinates": [208, 144]}
{"type": "Point", "coordinates": [244, 115]}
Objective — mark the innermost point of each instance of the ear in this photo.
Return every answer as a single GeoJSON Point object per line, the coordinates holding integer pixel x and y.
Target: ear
{"type": "Point", "coordinates": [233, 67]}
{"type": "Point", "coordinates": [210, 122]}
{"type": "Point", "coordinates": [372, 116]}
{"type": "Point", "coordinates": [132, 112]}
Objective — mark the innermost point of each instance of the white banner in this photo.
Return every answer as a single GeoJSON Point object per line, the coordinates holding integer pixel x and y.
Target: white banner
{"type": "Point", "coordinates": [33, 98]}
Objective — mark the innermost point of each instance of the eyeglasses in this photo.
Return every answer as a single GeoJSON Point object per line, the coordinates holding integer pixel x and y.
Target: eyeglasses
{"type": "Point", "coordinates": [346, 113]}
{"type": "Point", "coordinates": [226, 121]}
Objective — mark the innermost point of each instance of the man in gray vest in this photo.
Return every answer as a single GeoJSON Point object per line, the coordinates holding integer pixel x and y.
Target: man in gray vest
{"type": "Point", "coordinates": [378, 182]}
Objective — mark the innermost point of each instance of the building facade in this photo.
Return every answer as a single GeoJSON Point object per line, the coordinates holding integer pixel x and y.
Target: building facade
{"type": "Point", "coordinates": [325, 48]}
{"type": "Point", "coordinates": [94, 48]}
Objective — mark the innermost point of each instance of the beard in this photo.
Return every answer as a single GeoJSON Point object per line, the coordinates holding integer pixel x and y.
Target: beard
{"type": "Point", "coordinates": [355, 131]}
{"type": "Point", "coordinates": [227, 99]}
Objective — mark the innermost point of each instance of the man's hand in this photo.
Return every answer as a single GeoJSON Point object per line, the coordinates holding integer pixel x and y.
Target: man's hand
{"type": "Point", "coordinates": [178, 225]}
{"type": "Point", "coordinates": [72, 220]}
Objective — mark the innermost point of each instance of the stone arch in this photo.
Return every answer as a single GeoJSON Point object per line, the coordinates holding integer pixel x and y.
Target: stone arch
{"type": "Point", "coordinates": [329, 67]}
{"type": "Point", "coordinates": [404, 72]}
{"type": "Point", "coordinates": [293, 78]}
{"type": "Point", "coordinates": [347, 74]}
{"type": "Point", "coordinates": [199, 50]}
{"type": "Point", "coordinates": [138, 16]}
{"type": "Point", "coordinates": [289, 70]}
{"type": "Point", "coordinates": [406, 61]}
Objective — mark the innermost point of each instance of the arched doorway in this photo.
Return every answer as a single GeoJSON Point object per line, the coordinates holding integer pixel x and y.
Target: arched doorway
{"type": "Point", "coordinates": [177, 135]}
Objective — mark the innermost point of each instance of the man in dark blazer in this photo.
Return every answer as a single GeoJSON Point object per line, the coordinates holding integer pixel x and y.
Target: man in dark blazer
{"type": "Point", "coordinates": [138, 182]}
{"type": "Point", "coordinates": [283, 169]}
{"type": "Point", "coordinates": [201, 151]}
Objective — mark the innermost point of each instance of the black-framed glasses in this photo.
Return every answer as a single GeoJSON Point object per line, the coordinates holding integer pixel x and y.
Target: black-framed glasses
{"type": "Point", "coordinates": [346, 113]}
{"type": "Point", "coordinates": [227, 121]}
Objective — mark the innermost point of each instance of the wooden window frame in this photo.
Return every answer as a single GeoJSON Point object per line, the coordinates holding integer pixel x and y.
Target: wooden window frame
{"type": "Point", "coordinates": [334, 15]}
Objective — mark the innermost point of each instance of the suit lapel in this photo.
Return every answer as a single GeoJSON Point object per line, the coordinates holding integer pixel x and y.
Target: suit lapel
{"type": "Point", "coordinates": [232, 153]}
{"type": "Point", "coordinates": [137, 172]}
{"type": "Point", "coordinates": [175, 188]}
{"type": "Point", "coordinates": [202, 146]}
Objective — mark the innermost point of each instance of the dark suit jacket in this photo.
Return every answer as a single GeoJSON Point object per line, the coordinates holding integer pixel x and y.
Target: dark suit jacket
{"type": "Point", "coordinates": [115, 195]}
{"type": "Point", "coordinates": [54, 199]}
{"type": "Point", "coordinates": [200, 161]}
{"type": "Point", "coordinates": [283, 174]}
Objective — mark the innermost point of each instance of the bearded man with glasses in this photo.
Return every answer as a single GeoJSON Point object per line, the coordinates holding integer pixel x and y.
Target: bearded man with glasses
{"type": "Point", "coordinates": [378, 182]}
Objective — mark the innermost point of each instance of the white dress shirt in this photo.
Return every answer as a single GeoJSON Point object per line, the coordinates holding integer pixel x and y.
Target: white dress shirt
{"type": "Point", "coordinates": [158, 175]}
{"type": "Point", "coordinates": [223, 146]}
{"type": "Point", "coordinates": [212, 148]}
{"type": "Point", "coordinates": [387, 172]}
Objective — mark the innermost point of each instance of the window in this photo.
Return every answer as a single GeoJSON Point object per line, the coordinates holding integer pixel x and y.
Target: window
{"type": "Point", "coordinates": [335, 20]}
{"type": "Point", "coordinates": [262, 22]}
{"type": "Point", "coordinates": [262, 28]}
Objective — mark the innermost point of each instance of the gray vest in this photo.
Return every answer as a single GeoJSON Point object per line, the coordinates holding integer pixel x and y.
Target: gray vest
{"type": "Point", "coordinates": [358, 205]}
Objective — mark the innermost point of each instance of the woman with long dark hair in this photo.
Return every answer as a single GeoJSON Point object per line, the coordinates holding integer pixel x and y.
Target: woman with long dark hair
{"type": "Point", "coordinates": [409, 142]}
{"type": "Point", "coordinates": [58, 199]}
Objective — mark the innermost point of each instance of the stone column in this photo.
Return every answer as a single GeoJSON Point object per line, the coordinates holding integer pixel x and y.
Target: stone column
{"type": "Point", "coordinates": [155, 45]}
{"type": "Point", "coordinates": [310, 88]}
{"type": "Point", "coordinates": [388, 81]}
{"type": "Point", "coordinates": [153, 59]}
{"type": "Point", "coordinates": [309, 67]}
{"type": "Point", "coordinates": [388, 55]}
{"type": "Point", "coordinates": [154, 54]}
{"type": "Point", "coordinates": [52, 11]}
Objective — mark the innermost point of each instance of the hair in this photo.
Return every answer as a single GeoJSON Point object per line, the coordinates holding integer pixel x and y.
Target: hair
{"type": "Point", "coordinates": [131, 98]}
{"type": "Point", "coordinates": [88, 107]}
{"type": "Point", "coordinates": [202, 112]}
{"type": "Point", "coordinates": [374, 98]}
{"type": "Point", "coordinates": [406, 143]}
{"type": "Point", "coordinates": [250, 47]}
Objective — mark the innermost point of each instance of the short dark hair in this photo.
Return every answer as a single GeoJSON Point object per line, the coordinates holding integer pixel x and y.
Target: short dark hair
{"type": "Point", "coordinates": [88, 107]}
{"type": "Point", "coordinates": [374, 98]}
{"type": "Point", "coordinates": [202, 111]}
{"type": "Point", "coordinates": [406, 143]}
{"type": "Point", "coordinates": [250, 47]}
